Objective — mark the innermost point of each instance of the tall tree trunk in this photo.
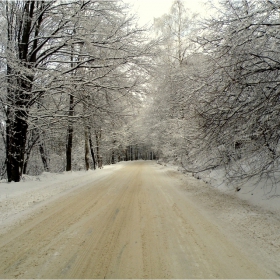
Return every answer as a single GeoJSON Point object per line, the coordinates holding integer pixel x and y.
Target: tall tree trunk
{"type": "Point", "coordinates": [86, 149]}
{"type": "Point", "coordinates": [17, 126]}
{"type": "Point", "coordinates": [126, 154]}
{"type": "Point", "coordinates": [97, 149]}
{"type": "Point", "coordinates": [99, 157]}
{"type": "Point", "coordinates": [136, 153]}
{"type": "Point", "coordinates": [44, 156]}
{"type": "Point", "coordinates": [25, 164]}
{"type": "Point", "coordinates": [91, 149]}
{"type": "Point", "coordinates": [69, 144]}
{"type": "Point", "coordinates": [70, 135]}
{"type": "Point", "coordinates": [18, 90]}
{"type": "Point", "coordinates": [16, 131]}
{"type": "Point", "coordinates": [113, 157]}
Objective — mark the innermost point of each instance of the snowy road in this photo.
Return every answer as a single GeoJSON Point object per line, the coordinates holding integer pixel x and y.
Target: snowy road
{"type": "Point", "coordinates": [138, 222]}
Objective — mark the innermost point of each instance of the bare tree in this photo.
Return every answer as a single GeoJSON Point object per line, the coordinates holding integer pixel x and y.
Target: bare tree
{"type": "Point", "coordinates": [239, 115]}
{"type": "Point", "coordinates": [42, 40]}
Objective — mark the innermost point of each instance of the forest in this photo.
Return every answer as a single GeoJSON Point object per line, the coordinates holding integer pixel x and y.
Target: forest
{"type": "Point", "coordinates": [84, 85]}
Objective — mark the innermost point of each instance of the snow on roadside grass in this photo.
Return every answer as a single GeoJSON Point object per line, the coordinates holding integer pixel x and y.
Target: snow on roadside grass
{"type": "Point", "coordinates": [18, 199]}
{"type": "Point", "coordinates": [260, 194]}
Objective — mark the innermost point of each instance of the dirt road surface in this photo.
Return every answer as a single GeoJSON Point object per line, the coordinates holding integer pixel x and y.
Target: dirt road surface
{"type": "Point", "coordinates": [139, 222]}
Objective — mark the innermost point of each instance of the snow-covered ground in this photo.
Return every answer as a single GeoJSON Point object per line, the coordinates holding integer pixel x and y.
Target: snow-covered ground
{"type": "Point", "coordinates": [18, 199]}
{"type": "Point", "coordinates": [261, 194]}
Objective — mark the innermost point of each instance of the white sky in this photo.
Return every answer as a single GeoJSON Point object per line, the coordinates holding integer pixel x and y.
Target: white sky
{"type": "Point", "coordinates": [150, 9]}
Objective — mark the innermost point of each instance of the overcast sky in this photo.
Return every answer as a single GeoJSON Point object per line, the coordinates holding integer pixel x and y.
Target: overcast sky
{"type": "Point", "coordinates": [150, 9]}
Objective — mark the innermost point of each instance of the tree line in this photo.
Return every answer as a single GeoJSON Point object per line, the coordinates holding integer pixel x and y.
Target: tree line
{"type": "Point", "coordinates": [82, 85]}
{"type": "Point", "coordinates": [71, 72]}
{"type": "Point", "coordinates": [215, 98]}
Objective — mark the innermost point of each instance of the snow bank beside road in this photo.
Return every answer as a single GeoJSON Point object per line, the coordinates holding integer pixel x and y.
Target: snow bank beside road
{"type": "Point", "coordinates": [18, 199]}
{"type": "Point", "coordinates": [257, 193]}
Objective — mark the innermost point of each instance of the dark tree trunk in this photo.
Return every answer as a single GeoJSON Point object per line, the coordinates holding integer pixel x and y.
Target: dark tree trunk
{"type": "Point", "coordinates": [69, 144]}
{"type": "Point", "coordinates": [18, 99]}
{"type": "Point", "coordinates": [92, 150]}
{"type": "Point", "coordinates": [136, 153]}
{"type": "Point", "coordinates": [113, 157]}
{"type": "Point", "coordinates": [126, 154]}
{"type": "Point", "coordinates": [25, 164]}
{"type": "Point", "coordinates": [17, 126]}
{"type": "Point", "coordinates": [16, 131]}
{"type": "Point", "coordinates": [87, 165]}
{"type": "Point", "coordinates": [70, 135]}
{"type": "Point", "coordinates": [44, 157]}
{"type": "Point", "coordinates": [114, 154]}
{"type": "Point", "coordinates": [99, 157]}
